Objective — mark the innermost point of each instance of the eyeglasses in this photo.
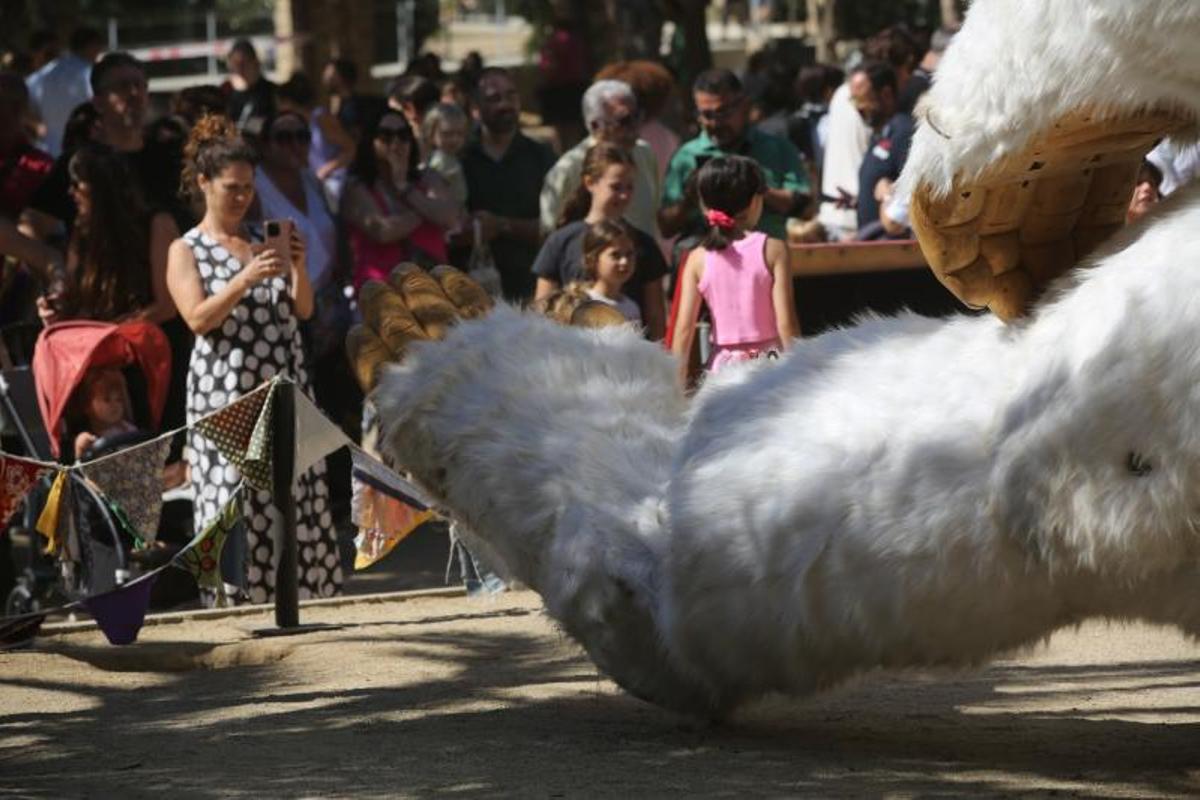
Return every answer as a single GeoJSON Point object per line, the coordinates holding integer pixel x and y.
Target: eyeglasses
{"type": "Point", "coordinates": [624, 122]}
{"type": "Point", "coordinates": [389, 135]}
{"type": "Point", "coordinates": [722, 113]}
{"type": "Point", "coordinates": [296, 136]}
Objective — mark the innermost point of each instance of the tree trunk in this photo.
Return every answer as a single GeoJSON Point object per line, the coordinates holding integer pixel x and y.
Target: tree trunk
{"type": "Point", "coordinates": [324, 29]}
{"type": "Point", "coordinates": [950, 16]}
{"type": "Point", "coordinates": [821, 28]}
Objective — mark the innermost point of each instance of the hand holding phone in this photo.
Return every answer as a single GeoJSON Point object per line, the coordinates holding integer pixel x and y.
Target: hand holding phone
{"type": "Point", "coordinates": [278, 237]}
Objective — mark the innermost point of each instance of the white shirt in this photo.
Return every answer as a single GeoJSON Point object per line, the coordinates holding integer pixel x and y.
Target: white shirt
{"type": "Point", "coordinates": [845, 143]}
{"type": "Point", "coordinates": [55, 90]}
{"type": "Point", "coordinates": [623, 304]}
{"type": "Point", "coordinates": [317, 227]}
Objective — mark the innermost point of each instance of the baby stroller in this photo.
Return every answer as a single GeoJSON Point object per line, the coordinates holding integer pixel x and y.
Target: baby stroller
{"type": "Point", "coordinates": [101, 555]}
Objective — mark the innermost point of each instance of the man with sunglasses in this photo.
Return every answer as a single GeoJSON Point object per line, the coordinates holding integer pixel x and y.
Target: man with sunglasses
{"type": "Point", "coordinates": [611, 115]}
{"type": "Point", "coordinates": [724, 116]}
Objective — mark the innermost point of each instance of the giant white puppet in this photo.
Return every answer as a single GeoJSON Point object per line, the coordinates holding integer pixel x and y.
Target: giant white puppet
{"type": "Point", "coordinates": [904, 493]}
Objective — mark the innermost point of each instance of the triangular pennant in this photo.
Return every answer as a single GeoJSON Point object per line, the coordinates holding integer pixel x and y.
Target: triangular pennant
{"type": "Point", "coordinates": [131, 481]}
{"type": "Point", "coordinates": [120, 612]}
{"type": "Point", "coordinates": [316, 435]}
{"type": "Point", "coordinates": [202, 555]}
{"type": "Point", "coordinates": [242, 432]}
{"type": "Point", "coordinates": [383, 509]}
{"type": "Point", "coordinates": [17, 477]}
{"type": "Point", "coordinates": [50, 521]}
{"type": "Point", "coordinates": [16, 632]}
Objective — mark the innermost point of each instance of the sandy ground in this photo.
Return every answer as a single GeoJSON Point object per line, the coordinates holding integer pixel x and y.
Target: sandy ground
{"type": "Point", "coordinates": [457, 697]}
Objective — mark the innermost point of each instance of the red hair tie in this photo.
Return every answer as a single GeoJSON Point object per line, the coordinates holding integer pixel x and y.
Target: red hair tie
{"type": "Point", "coordinates": [718, 218]}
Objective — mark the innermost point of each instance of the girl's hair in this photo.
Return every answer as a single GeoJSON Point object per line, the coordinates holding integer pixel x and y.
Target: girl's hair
{"type": "Point", "coordinates": [597, 239]}
{"type": "Point", "coordinates": [111, 244]}
{"type": "Point", "coordinates": [213, 145]}
{"type": "Point", "coordinates": [80, 127]}
{"type": "Point", "coordinates": [439, 115]}
{"type": "Point", "coordinates": [728, 185]}
{"type": "Point", "coordinates": [365, 166]}
{"type": "Point", "coordinates": [599, 158]}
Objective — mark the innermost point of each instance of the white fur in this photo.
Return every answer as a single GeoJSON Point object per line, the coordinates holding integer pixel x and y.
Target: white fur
{"type": "Point", "coordinates": [907, 492]}
{"type": "Point", "coordinates": [1018, 65]}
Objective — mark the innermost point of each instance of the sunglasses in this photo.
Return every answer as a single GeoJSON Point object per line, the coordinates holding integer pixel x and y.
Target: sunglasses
{"type": "Point", "coordinates": [724, 112]}
{"type": "Point", "coordinates": [297, 136]}
{"type": "Point", "coordinates": [626, 122]}
{"type": "Point", "coordinates": [389, 135]}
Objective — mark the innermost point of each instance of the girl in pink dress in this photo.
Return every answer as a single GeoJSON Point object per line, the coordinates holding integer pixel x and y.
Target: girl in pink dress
{"type": "Point", "coordinates": [741, 275]}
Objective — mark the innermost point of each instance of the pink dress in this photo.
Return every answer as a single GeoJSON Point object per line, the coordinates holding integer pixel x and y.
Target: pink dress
{"type": "Point", "coordinates": [737, 287]}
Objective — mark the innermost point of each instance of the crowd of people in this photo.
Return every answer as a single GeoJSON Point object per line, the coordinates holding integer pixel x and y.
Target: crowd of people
{"type": "Point", "coordinates": [108, 215]}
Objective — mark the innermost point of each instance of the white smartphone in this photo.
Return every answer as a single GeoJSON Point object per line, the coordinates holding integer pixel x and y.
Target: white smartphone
{"type": "Point", "coordinates": [277, 235]}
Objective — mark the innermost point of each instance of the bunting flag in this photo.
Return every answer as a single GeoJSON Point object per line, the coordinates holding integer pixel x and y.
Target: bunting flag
{"type": "Point", "coordinates": [16, 632]}
{"type": "Point", "coordinates": [17, 477]}
{"type": "Point", "coordinates": [120, 612]}
{"type": "Point", "coordinates": [131, 481]}
{"type": "Point", "coordinates": [386, 508]}
{"type": "Point", "coordinates": [316, 435]}
{"type": "Point", "coordinates": [51, 519]}
{"type": "Point", "coordinates": [242, 432]}
{"type": "Point", "coordinates": [202, 556]}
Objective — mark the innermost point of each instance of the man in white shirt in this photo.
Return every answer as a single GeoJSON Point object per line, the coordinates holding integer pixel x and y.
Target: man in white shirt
{"type": "Point", "coordinates": [845, 144]}
{"type": "Point", "coordinates": [610, 112]}
{"type": "Point", "coordinates": [57, 88]}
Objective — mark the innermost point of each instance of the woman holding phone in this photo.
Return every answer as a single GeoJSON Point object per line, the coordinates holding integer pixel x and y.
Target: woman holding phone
{"type": "Point", "coordinates": [244, 301]}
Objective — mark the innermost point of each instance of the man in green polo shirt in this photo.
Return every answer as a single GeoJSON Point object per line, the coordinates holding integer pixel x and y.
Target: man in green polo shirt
{"type": "Point", "coordinates": [724, 116]}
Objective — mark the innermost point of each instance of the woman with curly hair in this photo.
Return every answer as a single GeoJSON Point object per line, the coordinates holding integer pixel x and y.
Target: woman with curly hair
{"type": "Point", "coordinates": [244, 303]}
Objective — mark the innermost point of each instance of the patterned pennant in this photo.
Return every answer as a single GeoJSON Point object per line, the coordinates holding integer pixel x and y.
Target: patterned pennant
{"type": "Point", "coordinates": [242, 432]}
{"type": "Point", "coordinates": [202, 556]}
{"type": "Point", "coordinates": [316, 435]}
{"type": "Point", "coordinates": [51, 520]}
{"type": "Point", "coordinates": [384, 509]}
{"type": "Point", "coordinates": [120, 612]}
{"type": "Point", "coordinates": [16, 632]}
{"type": "Point", "coordinates": [17, 477]}
{"type": "Point", "coordinates": [131, 481]}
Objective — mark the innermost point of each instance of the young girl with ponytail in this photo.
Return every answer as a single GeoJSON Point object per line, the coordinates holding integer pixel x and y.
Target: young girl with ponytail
{"type": "Point", "coordinates": [742, 275]}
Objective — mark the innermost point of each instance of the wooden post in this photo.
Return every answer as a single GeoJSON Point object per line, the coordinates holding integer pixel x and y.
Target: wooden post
{"type": "Point", "coordinates": [287, 572]}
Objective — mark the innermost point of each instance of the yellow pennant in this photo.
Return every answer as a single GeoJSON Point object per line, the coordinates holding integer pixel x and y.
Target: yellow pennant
{"type": "Point", "coordinates": [47, 524]}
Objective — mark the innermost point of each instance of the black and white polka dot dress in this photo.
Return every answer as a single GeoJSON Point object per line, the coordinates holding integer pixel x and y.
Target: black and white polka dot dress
{"type": "Point", "coordinates": [258, 340]}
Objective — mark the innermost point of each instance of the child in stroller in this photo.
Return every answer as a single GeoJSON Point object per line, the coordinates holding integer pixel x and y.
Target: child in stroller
{"type": "Point", "coordinates": [93, 381]}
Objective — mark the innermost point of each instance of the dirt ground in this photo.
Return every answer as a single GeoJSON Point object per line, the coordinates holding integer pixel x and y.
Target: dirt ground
{"type": "Point", "coordinates": [457, 697]}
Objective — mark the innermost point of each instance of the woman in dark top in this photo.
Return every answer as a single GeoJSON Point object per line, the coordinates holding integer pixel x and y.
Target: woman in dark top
{"type": "Point", "coordinates": [604, 193]}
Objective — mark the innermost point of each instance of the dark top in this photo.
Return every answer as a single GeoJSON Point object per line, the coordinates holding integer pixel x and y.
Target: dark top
{"type": "Point", "coordinates": [22, 171]}
{"type": "Point", "coordinates": [509, 187]}
{"type": "Point", "coordinates": [561, 259]}
{"type": "Point", "coordinates": [884, 158]}
{"type": "Point", "coordinates": [153, 167]}
{"type": "Point", "coordinates": [257, 100]}
{"type": "Point", "coordinates": [917, 84]}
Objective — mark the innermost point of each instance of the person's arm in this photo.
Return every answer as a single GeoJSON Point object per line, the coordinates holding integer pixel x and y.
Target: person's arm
{"type": "Point", "coordinates": [163, 231]}
{"type": "Point", "coordinates": [335, 134]}
{"type": "Point", "coordinates": [432, 200]}
{"type": "Point", "coordinates": [299, 285]}
{"type": "Point", "coordinates": [654, 310]}
{"type": "Point", "coordinates": [492, 226]}
{"type": "Point", "coordinates": [782, 297]}
{"type": "Point", "coordinates": [204, 313]}
{"type": "Point", "coordinates": [792, 196]}
{"type": "Point", "coordinates": [42, 257]}
{"type": "Point", "coordinates": [359, 210]}
{"type": "Point", "coordinates": [545, 288]}
{"type": "Point", "coordinates": [689, 310]}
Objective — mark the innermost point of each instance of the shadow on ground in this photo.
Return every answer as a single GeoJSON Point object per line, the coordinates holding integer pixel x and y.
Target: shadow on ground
{"type": "Point", "coordinates": [436, 711]}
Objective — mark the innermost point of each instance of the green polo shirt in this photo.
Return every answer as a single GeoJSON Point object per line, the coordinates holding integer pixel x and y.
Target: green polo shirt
{"type": "Point", "coordinates": [780, 165]}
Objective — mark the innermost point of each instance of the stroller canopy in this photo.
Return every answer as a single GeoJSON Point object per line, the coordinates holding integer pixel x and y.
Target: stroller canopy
{"type": "Point", "coordinates": [65, 352]}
